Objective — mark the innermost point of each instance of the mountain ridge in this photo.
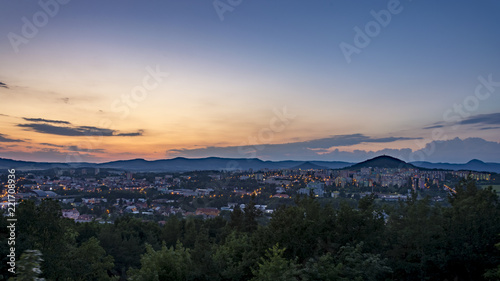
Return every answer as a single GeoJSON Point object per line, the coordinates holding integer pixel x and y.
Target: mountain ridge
{"type": "Point", "coordinates": [182, 164]}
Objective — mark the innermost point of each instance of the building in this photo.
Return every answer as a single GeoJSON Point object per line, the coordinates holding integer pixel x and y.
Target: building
{"type": "Point", "coordinates": [70, 213]}
{"type": "Point", "coordinates": [207, 212]}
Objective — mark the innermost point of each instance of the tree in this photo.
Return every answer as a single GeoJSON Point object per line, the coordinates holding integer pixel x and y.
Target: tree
{"type": "Point", "coordinates": [235, 258]}
{"type": "Point", "coordinates": [29, 266]}
{"type": "Point", "coordinates": [472, 225]}
{"type": "Point", "coordinates": [418, 241]}
{"type": "Point", "coordinates": [90, 262]}
{"type": "Point", "coordinates": [274, 267]}
{"type": "Point", "coordinates": [350, 263]}
{"type": "Point", "coordinates": [493, 274]}
{"type": "Point", "coordinates": [165, 264]}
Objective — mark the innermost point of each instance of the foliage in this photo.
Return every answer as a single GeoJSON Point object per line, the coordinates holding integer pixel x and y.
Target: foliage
{"type": "Point", "coordinates": [309, 240]}
{"type": "Point", "coordinates": [29, 266]}
{"type": "Point", "coordinates": [173, 264]}
{"type": "Point", "coordinates": [274, 267]}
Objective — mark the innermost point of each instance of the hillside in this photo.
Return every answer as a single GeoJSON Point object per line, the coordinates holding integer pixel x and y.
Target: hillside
{"type": "Point", "coordinates": [382, 162]}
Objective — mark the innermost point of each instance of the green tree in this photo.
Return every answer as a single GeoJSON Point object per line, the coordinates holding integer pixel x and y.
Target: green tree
{"type": "Point", "coordinates": [418, 241]}
{"type": "Point", "coordinates": [472, 225]}
{"type": "Point", "coordinates": [234, 259]}
{"type": "Point", "coordinates": [274, 267]}
{"type": "Point", "coordinates": [90, 262]}
{"type": "Point", "coordinates": [350, 263]}
{"type": "Point", "coordinates": [165, 264]}
{"type": "Point", "coordinates": [28, 267]}
{"type": "Point", "coordinates": [493, 274]}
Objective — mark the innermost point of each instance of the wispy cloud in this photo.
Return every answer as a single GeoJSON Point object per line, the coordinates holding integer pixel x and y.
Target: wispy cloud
{"type": "Point", "coordinates": [135, 134]}
{"type": "Point", "coordinates": [489, 128]}
{"type": "Point", "coordinates": [483, 119]}
{"type": "Point", "coordinates": [3, 138]}
{"type": "Point", "coordinates": [3, 85]}
{"type": "Point", "coordinates": [46, 120]}
{"type": "Point", "coordinates": [40, 126]}
{"type": "Point", "coordinates": [67, 131]}
{"type": "Point", "coordinates": [433, 127]}
{"type": "Point", "coordinates": [74, 148]}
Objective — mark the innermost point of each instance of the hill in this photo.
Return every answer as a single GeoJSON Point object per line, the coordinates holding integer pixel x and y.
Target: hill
{"type": "Point", "coordinates": [309, 166]}
{"type": "Point", "coordinates": [383, 162]}
{"type": "Point", "coordinates": [181, 164]}
{"type": "Point", "coordinates": [473, 165]}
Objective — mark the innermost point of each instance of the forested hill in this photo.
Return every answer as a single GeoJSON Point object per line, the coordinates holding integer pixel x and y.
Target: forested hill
{"type": "Point", "coordinates": [383, 162]}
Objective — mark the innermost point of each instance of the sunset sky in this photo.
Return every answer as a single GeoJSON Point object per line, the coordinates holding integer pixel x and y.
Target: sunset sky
{"type": "Point", "coordinates": [107, 80]}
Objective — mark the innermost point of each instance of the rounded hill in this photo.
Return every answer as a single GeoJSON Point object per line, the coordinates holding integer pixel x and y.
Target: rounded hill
{"type": "Point", "coordinates": [384, 161]}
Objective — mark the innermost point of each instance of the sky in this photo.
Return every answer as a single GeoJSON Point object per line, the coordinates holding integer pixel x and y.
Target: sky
{"type": "Point", "coordinates": [100, 81]}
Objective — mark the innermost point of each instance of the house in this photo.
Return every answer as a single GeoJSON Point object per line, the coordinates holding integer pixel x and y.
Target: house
{"type": "Point", "coordinates": [84, 218]}
{"type": "Point", "coordinates": [70, 213]}
{"type": "Point", "coordinates": [130, 209]}
{"type": "Point", "coordinates": [207, 212]}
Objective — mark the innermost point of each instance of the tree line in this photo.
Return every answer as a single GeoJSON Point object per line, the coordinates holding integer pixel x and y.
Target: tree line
{"type": "Point", "coordinates": [413, 240]}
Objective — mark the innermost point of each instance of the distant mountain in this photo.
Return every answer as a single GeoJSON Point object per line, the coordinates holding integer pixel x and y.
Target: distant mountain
{"type": "Point", "coordinates": [309, 166]}
{"type": "Point", "coordinates": [473, 165]}
{"type": "Point", "coordinates": [181, 164]}
{"type": "Point", "coordinates": [382, 162]}
{"type": "Point", "coordinates": [27, 165]}
{"type": "Point", "coordinates": [178, 164]}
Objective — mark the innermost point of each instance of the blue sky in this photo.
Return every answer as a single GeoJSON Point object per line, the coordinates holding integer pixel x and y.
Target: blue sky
{"type": "Point", "coordinates": [99, 81]}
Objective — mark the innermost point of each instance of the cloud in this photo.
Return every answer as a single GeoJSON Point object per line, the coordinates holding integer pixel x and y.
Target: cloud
{"type": "Point", "coordinates": [3, 85]}
{"type": "Point", "coordinates": [319, 149]}
{"type": "Point", "coordinates": [46, 120]}
{"type": "Point", "coordinates": [458, 151]}
{"type": "Point", "coordinates": [138, 133]}
{"type": "Point", "coordinates": [72, 130]}
{"type": "Point", "coordinates": [346, 140]}
{"type": "Point", "coordinates": [74, 148]}
{"type": "Point", "coordinates": [433, 127]}
{"type": "Point", "coordinates": [330, 149]}
{"type": "Point", "coordinates": [483, 119]}
{"type": "Point", "coordinates": [489, 128]}
{"type": "Point", "coordinates": [67, 131]}
{"type": "Point", "coordinates": [3, 138]}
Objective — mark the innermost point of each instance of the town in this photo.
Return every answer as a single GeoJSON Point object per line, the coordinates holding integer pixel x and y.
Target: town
{"type": "Point", "coordinates": [93, 194]}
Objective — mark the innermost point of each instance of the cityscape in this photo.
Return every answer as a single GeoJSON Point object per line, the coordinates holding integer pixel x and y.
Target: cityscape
{"type": "Point", "coordinates": [92, 194]}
